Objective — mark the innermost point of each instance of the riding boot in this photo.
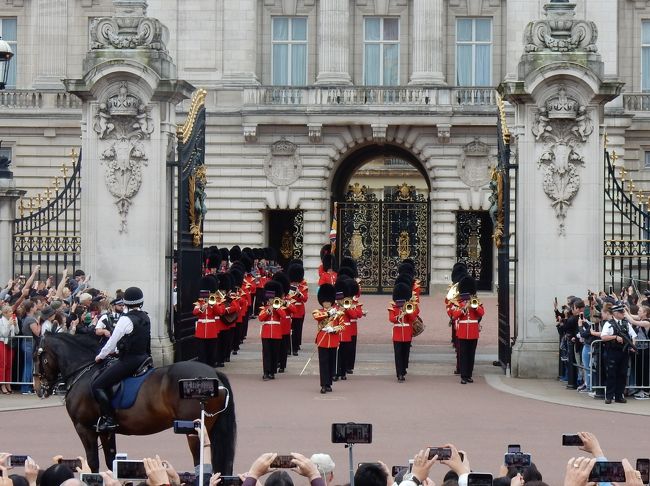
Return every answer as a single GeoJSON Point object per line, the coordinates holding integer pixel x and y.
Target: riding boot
{"type": "Point", "coordinates": [107, 420]}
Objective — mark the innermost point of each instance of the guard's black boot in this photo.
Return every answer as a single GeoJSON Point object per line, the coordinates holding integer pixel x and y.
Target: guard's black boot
{"type": "Point", "coordinates": [106, 422]}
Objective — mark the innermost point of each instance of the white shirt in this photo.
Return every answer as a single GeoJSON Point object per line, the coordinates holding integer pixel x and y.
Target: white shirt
{"type": "Point", "coordinates": [101, 323]}
{"type": "Point", "coordinates": [46, 326]}
{"type": "Point", "coordinates": [123, 327]}
{"type": "Point", "coordinates": [608, 330]}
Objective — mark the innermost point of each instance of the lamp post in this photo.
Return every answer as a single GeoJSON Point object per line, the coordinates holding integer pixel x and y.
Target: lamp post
{"type": "Point", "coordinates": [5, 58]}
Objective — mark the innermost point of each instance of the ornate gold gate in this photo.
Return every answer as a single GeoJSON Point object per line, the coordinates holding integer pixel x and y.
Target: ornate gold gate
{"type": "Point", "coordinates": [380, 234]}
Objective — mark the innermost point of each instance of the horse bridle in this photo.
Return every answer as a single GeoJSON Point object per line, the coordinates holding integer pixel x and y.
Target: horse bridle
{"type": "Point", "coordinates": [40, 363]}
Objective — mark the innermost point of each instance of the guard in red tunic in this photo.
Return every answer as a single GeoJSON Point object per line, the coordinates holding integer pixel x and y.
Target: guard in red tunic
{"type": "Point", "coordinates": [226, 284]}
{"type": "Point", "coordinates": [298, 295]}
{"type": "Point", "coordinates": [249, 289]}
{"type": "Point", "coordinates": [466, 313]}
{"type": "Point", "coordinates": [205, 330]}
{"type": "Point", "coordinates": [402, 314]}
{"type": "Point", "coordinates": [329, 270]}
{"type": "Point", "coordinates": [358, 305]}
{"type": "Point", "coordinates": [325, 250]}
{"type": "Point", "coordinates": [458, 271]}
{"type": "Point", "coordinates": [350, 312]}
{"type": "Point", "coordinates": [285, 325]}
{"type": "Point", "coordinates": [329, 322]}
{"type": "Point", "coordinates": [270, 317]}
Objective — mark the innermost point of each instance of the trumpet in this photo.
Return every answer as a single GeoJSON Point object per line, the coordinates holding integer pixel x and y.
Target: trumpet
{"type": "Point", "coordinates": [212, 300]}
{"type": "Point", "coordinates": [474, 303]}
{"type": "Point", "coordinates": [347, 303]}
{"type": "Point", "coordinates": [409, 307]}
{"type": "Point", "coordinates": [277, 303]}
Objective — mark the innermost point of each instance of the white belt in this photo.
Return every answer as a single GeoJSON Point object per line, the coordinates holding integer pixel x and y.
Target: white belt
{"type": "Point", "coordinates": [270, 322]}
{"type": "Point", "coordinates": [297, 303]}
{"type": "Point", "coordinates": [401, 325]}
{"type": "Point", "coordinates": [468, 321]}
{"type": "Point", "coordinates": [205, 320]}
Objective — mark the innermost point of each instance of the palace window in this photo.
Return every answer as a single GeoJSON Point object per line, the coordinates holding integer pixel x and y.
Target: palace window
{"type": "Point", "coordinates": [474, 52]}
{"type": "Point", "coordinates": [9, 34]}
{"type": "Point", "coordinates": [381, 51]}
{"type": "Point", "coordinates": [289, 55]}
{"type": "Point", "coordinates": [645, 55]}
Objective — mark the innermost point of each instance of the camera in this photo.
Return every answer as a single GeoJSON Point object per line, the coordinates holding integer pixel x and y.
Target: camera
{"type": "Point", "coordinates": [282, 462]}
{"type": "Point", "coordinates": [186, 427]}
{"type": "Point", "coordinates": [607, 472]}
{"type": "Point", "coordinates": [443, 453]}
{"type": "Point", "coordinates": [351, 433]}
{"type": "Point", "coordinates": [129, 470]}
{"type": "Point", "coordinates": [199, 388]}
{"type": "Point", "coordinates": [571, 440]}
{"type": "Point", "coordinates": [91, 479]}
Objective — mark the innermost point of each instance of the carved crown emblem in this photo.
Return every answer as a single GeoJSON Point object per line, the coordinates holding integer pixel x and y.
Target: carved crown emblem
{"type": "Point", "coordinates": [283, 147]}
{"type": "Point", "coordinates": [476, 148]}
{"type": "Point", "coordinates": [123, 103]}
{"type": "Point", "coordinates": [561, 106]}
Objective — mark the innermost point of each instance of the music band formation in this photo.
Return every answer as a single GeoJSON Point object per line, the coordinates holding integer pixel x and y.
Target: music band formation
{"type": "Point", "coordinates": [244, 284]}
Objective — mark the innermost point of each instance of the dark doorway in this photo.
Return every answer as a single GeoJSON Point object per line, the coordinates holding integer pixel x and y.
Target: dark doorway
{"type": "Point", "coordinates": [474, 245]}
{"type": "Point", "coordinates": [286, 234]}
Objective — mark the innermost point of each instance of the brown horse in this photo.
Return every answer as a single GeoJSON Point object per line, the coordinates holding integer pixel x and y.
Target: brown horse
{"type": "Point", "coordinates": [71, 359]}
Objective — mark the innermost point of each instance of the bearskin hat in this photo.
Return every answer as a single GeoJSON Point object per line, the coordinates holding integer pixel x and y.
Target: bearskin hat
{"type": "Point", "coordinates": [467, 285]}
{"type": "Point", "coordinates": [401, 291]}
{"type": "Point", "coordinates": [213, 259]}
{"type": "Point", "coordinates": [238, 265]}
{"type": "Point", "coordinates": [341, 287]}
{"type": "Point", "coordinates": [404, 278]}
{"type": "Point", "coordinates": [329, 262]}
{"type": "Point", "coordinates": [354, 285]}
{"type": "Point", "coordinates": [225, 282]}
{"type": "Point", "coordinates": [269, 253]}
{"type": "Point", "coordinates": [258, 253]}
{"type": "Point", "coordinates": [346, 272]}
{"type": "Point", "coordinates": [325, 250]}
{"type": "Point", "coordinates": [235, 253]}
{"type": "Point", "coordinates": [326, 293]}
{"type": "Point", "coordinates": [406, 268]}
{"type": "Point", "coordinates": [409, 260]}
{"type": "Point", "coordinates": [247, 250]}
{"type": "Point", "coordinates": [225, 254]}
{"type": "Point", "coordinates": [237, 276]}
{"type": "Point", "coordinates": [247, 261]}
{"type": "Point", "coordinates": [296, 273]}
{"type": "Point", "coordinates": [272, 286]}
{"type": "Point", "coordinates": [283, 278]}
{"type": "Point", "coordinates": [458, 271]}
{"type": "Point", "coordinates": [208, 283]}
{"type": "Point", "coordinates": [348, 261]}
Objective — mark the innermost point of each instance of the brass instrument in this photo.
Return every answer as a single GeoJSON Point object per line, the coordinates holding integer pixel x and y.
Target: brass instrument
{"type": "Point", "coordinates": [277, 303]}
{"type": "Point", "coordinates": [409, 307]}
{"type": "Point", "coordinates": [452, 293]}
{"type": "Point", "coordinates": [347, 303]}
{"type": "Point", "coordinates": [474, 302]}
{"type": "Point", "coordinates": [212, 300]}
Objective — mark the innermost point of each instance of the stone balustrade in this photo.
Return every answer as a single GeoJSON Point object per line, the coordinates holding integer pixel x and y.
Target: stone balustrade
{"type": "Point", "coordinates": [636, 101]}
{"type": "Point", "coordinates": [37, 100]}
{"type": "Point", "coordinates": [407, 96]}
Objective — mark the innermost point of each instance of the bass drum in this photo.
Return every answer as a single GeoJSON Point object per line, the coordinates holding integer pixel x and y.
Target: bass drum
{"type": "Point", "coordinates": [418, 326]}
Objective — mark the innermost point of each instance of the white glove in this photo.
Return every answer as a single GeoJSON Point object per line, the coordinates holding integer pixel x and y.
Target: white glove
{"type": "Point", "coordinates": [331, 312]}
{"type": "Point", "coordinates": [329, 329]}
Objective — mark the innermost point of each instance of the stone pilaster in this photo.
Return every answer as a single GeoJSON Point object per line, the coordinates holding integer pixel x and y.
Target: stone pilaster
{"type": "Point", "coordinates": [8, 197]}
{"type": "Point", "coordinates": [334, 42]}
{"type": "Point", "coordinates": [51, 17]}
{"type": "Point", "coordinates": [427, 42]}
{"type": "Point", "coordinates": [240, 33]}
{"type": "Point", "coordinates": [518, 14]}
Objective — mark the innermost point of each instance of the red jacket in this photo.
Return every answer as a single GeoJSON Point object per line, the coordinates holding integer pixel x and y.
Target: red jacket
{"type": "Point", "coordinates": [327, 277]}
{"type": "Point", "coordinates": [350, 315]}
{"type": "Point", "coordinates": [466, 319]}
{"type": "Point", "coordinates": [402, 324]}
{"type": "Point", "coordinates": [299, 299]}
{"type": "Point", "coordinates": [285, 322]}
{"type": "Point", "coordinates": [271, 320]}
{"type": "Point", "coordinates": [206, 325]}
{"type": "Point", "coordinates": [221, 309]}
{"type": "Point", "coordinates": [327, 339]}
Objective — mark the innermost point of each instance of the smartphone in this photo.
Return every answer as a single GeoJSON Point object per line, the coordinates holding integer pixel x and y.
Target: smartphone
{"type": "Point", "coordinates": [187, 477]}
{"type": "Point", "coordinates": [199, 388]}
{"type": "Point", "coordinates": [571, 440]}
{"type": "Point", "coordinates": [184, 427]}
{"type": "Point", "coordinates": [643, 466]}
{"type": "Point", "coordinates": [16, 460]}
{"type": "Point", "coordinates": [443, 453]}
{"type": "Point", "coordinates": [517, 459]}
{"type": "Point", "coordinates": [121, 456]}
{"type": "Point", "coordinates": [479, 479]}
{"type": "Point", "coordinates": [351, 433]}
{"type": "Point", "coordinates": [512, 448]}
{"type": "Point", "coordinates": [397, 470]}
{"type": "Point", "coordinates": [607, 472]}
{"type": "Point", "coordinates": [229, 481]}
{"type": "Point", "coordinates": [611, 289]}
{"type": "Point", "coordinates": [73, 464]}
{"type": "Point", "coordinates": [283, 462]}
{"type": "Point", "coordinates": [91, 479]}
{"type": "Point", "coordinates": [129, 470]}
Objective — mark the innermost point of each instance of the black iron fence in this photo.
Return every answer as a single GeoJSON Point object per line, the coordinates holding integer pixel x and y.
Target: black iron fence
{"type": "Point", "coordinates": [47, 231]}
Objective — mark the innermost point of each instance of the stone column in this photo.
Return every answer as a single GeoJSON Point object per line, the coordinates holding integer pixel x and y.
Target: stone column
{"type": "Point", "coordinates": [240, 33]}
{"type": "Point", "coordinates": [129, 90]}
{"type": "Point", "coordinates": [8, 197]}
{"type": "Point", "coordinates": [427, 42]}
{"type": "Point", "coordinates": [558, 100]}
{"type": "Point", "coordinates": [51, 37]}
{"type": "Point", "coordinates": [334, 42]}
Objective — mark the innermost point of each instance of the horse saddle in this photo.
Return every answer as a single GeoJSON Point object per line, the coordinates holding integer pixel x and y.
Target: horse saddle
{"type": "Point", "coordinates": [125, 393]}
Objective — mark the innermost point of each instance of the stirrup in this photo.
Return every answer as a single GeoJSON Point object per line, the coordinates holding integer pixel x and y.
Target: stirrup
{"type": "Point", "coordinates": [105, 424]}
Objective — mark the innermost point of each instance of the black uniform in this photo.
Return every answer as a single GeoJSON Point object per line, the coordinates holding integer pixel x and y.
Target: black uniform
{"type": "Point", "coordinates": [617, 358]}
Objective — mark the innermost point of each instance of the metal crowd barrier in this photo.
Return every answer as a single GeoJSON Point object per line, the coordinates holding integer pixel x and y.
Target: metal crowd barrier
{"type": "Point", "coordinates": [638, 369]}
{"type": "Point", "coordinates": [20, 360]}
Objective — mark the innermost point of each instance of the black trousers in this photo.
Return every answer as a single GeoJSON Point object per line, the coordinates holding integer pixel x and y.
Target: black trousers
{"type": "Point", "coordinates": [285, 349]}
{"type": "Point", "coordinates": [224, 345]}
{"type": "Point", "coordinates": [258, 302]}
{"type": "Point", "coordinates": [206, 350]}
{"type": "Point", "coordinates": [270, 355]}
{"type": "Point", "coordinates": [402, 352]}
{"type": "Point", "coordinates": [296, 333]}
{"type": "Point", "coordinates": [344, 358]}
{"type": "Point", "coordinates": [244, 329]}
{"type": "Point", "coordinates": [326, 365]}
{"type": "Point", "coordinates": [236, 336]}
{"type": "Point", "coordinates": [466, 355]}
{"type": "Point", "coordinates": [101, 386]}
{"type": "Point", "coordinates": [616, 361]}
{"type": "Point", "coordinates": [353, 355]}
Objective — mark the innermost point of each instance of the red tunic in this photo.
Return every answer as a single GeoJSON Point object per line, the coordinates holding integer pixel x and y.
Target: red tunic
{"type": "Point", "coordinates": [299, 299]}
{"type": "Point", "coordinates": [206, 324]}
{"type": "Point", "coordinates": [402, 324]}
{"type": "Point", "coordinates": [225, 308]}
{"type": "Point", "coordinates": [285, 322]}
{"type": "Point", "coordinates": [351, 315]}
{"type": "Point", "coordinates": [466, 319]}
{"type": "Point", "coordinates": [327, 277]}
{"type": "Point", "coordinates": [326, 339]}
{"type": "Point", "coordinates": [271, 320]}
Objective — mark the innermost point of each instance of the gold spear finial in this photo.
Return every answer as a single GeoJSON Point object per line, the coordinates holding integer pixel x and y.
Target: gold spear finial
{"type": "Point", "coordinates": [48, 194]}
{"type": "Point", "coordinates": [74, 155]}
{"type": "Point", "coordinates": [56, 183]}
{"type": "Point", "coordinates": [21, 207]}
{"type": "Point", "coordinates": [64, 169]}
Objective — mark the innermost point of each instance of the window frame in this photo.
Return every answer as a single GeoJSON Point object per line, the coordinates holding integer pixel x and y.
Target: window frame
{"type": "Point", "coordinates": [14, 48]}
{"type": "Point", "coordinates": [647, 90]}
{"type": "Point", "coordinates": [290, 42]}
{"type": "Point", "coordinates": [474, 43]}
{"type": "Point", "coordinates": [381, 42]}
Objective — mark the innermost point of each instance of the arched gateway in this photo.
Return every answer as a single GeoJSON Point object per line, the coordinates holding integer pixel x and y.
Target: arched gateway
{"type": "Point", "coordinates": [381, 198]}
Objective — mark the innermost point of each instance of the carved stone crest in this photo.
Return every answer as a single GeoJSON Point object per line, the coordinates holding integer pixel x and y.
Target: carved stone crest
{"type": "Point", "coordinates": [283, 166]}
{"type": "Point", "coordinates": [560, 32]}
{"type": "Point", "coordinates": [123, 121]}
{"type": "Point", "coordinates": [562, 125]}
{"type": "Point", "coordinates": [474, 164]}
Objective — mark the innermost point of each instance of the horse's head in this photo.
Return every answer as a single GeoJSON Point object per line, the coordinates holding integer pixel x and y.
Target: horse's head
{"type": "Point", "coordinates": [46, 369]}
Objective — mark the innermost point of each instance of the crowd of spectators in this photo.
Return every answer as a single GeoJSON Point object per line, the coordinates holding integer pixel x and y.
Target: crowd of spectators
{"type": "Point", "coordinates": [29, 308]}
{"type": "Point", "coordinates": [319, 470]}
{"type": "Point", "coordinates": [583, 352]}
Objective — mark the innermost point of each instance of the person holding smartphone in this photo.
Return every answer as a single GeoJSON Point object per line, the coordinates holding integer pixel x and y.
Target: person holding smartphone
{"type": "Point", "coordinates": [589, 332]}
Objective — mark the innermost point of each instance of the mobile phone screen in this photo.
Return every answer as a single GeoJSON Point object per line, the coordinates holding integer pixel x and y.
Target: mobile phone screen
{"type": "Point", "coordinates": [17, 460]}
{"type": "Point", "coordinates": [512, 448]}
{"type": "Point", "coordinates": [479, 479]}
{"type": "Point", "coordinates": [130, 470]}
{"type": "Point", "coordinates": [397, 470]}
{"type": "Point", "coordinates": [283, 462]}
{"type": "Point", "coordinates": [91, 479]}
{"type": "Point", "coordinates": [73, 464]}
{"type": "Point", "coordinates": [443, 453]}
{"type": "Point", "coordinates": [607, 472]}
{"type": "Point", "coordinates": [571, 440]}
{"type": "Point", "coordinates": [518, 459]}
{"type": "Point", "coordinates": [643, 466]}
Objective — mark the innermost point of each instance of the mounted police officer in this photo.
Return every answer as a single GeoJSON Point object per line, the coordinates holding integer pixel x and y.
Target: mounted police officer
{"type": "Point", "coordinates": [131, 338]}
{"type": "Point", "coordinates": [618, 336]}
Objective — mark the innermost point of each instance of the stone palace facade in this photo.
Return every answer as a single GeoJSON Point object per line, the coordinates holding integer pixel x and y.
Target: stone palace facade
{"type": "Point", "coordinates": [303, 93]}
